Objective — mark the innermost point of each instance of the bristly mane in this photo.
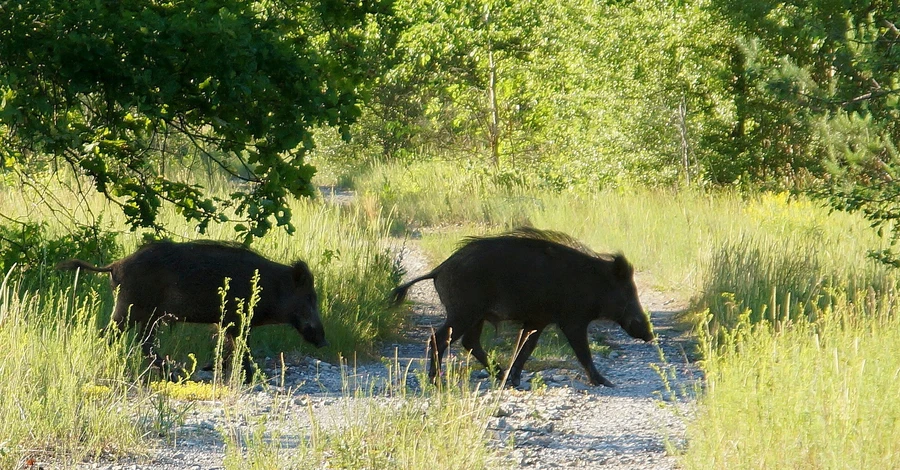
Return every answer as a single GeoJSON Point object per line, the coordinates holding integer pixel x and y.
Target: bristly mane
{"type": "Point", "coordinates": [545, 235]}
{"type": "Point", "coordinates": [224, 244]}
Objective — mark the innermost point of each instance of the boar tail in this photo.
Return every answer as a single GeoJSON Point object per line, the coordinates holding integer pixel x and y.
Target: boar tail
{"type": "Point", "coordinates": [71, 264]}
{"type": "Point", "coordinates": [398, 294]}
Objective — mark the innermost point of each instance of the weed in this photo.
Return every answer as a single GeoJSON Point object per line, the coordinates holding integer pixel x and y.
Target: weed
{"type": "Point", "coordinates": [166, 415]}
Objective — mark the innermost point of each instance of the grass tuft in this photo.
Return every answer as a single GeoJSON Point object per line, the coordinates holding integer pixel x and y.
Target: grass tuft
{"type": "Point", "coordinates": [390, 428]}
{"type": "Point", "coordinates": [802, 393]}
{"type": "Point", "coordinates": [66, 389]}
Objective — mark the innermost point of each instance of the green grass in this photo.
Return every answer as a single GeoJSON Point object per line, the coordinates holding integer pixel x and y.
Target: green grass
{"type": "Point", "coordinates": [354, 270]}
{"type": "Point", "coordinates": [346, 250]}
{"type": "Point", "coordinates": [805, 384]}
{"type": "Point", "coordinates": [802, 352]}
{"type": "Point", "coordinates": [66, 390]}
{"type": "Point", "coordinates": [782, 277]}
{"type": "Point", "coordinates": [801, 370]}
{"type": "Point", "coordinates": [802, 394]}
{"type": "Point", "coordinates": [675, 235]}
{"type": "Point", "coordinates": [446, 193]}
{"type": "Point", "coordinates": [65, 396]}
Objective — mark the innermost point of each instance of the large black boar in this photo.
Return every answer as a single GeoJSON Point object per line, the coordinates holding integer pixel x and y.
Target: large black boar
{"type": "Point", "coordinates": [537, 278]}
{"type": "Point", "coordinates": [182, 281]}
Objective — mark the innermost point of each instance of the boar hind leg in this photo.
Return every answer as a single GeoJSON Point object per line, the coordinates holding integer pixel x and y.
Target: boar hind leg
{"type": "Point", "coordinates": [526, 344]}
{"type": "Point", "coordinates": [471, 340]}
{"type": "Point", "coordinates": [127, 317]}
{"type": "Point", "coordinates": [248, 367]}
{"type": "Point", "coordinates": [436, 347]}
{"type": "Point", "coordinates": [577, 336]}
{"type": "Point", "coordinates": [442, 338]}
{"type": "Point", "coordinates": [148, 341]}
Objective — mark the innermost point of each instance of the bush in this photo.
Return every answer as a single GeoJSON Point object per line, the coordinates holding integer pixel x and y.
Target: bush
{"type": "Point", "coordinates": [30, 249]}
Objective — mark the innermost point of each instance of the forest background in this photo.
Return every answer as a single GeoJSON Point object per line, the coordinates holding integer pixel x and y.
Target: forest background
{"type": "Point", "coordinates": [777, 95]}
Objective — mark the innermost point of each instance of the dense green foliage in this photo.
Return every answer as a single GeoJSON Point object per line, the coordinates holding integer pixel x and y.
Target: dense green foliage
{"type": "Point", "coordinates": [32, 250]}
{"type": "Point", "coordinates": [579, 91]}
{"type": "Point", "coordinates": [712, 92]}
{"type": "Point", "coordinates": [791, 95]}
{"type": "Point", "coordinates": [818, 93]}
{"type": "Point", "coordinates": [646, 87]}
{"type": "Point", "coordinates": [115, 90]}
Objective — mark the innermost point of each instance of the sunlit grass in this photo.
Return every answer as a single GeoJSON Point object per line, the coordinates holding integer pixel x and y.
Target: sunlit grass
{"type": "Point", "coordinates": [773, 277]}
{"type": "Point", "coordinates": [70, 393]}
{"type": "Point", "coordinates": [674, 235]}
{"type": "Point", "coordinates": [802, 394]}
{"type": "Point", "coordinates": [446, 193]}
{"type": "Point", "coordinates": [65, 388]}
{"type": "Point", "coordinates": [780, 256]}
{"type": "Point", "coordinates": [802, 375]}
{"type": "Point", "coordinates": [345, 248]}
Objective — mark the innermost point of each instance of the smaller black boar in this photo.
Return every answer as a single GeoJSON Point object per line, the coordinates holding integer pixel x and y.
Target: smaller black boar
{"type": "Point", "coordinates": [537, 278]}
{"type": "Point", "coordinates": [182, 281]}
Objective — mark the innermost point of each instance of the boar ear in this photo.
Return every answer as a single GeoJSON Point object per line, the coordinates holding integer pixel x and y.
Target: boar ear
{"type": "Point", "coordinates": [622, 269]}
{"type": "Point", "coordinates": [301, 274]}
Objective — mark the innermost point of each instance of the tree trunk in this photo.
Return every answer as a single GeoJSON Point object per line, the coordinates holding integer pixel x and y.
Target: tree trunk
{"type": "Point", "coordinates": [494, 122]}
{"type": "Point", "coordinates": [685, 146]}
{"type": "Point", "coordinates": [495, 113]}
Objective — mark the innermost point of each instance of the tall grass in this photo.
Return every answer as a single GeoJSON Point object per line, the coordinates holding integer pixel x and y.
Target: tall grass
{"type": "Point", "coordinates": [802, 394]}
{"type": "Point", "coordinates": [661, 231]}
{"type": "Point", "coordinates": [800, 371]}
{"type": "Point", "coordinates": [390, 428]}
{"type": "Point", "coordinates": [71, 393]}
{"type": "Point", "coordinates": [66, 389]}
{"type": "Point", "coordinates": [777, 278]}
{"type": "Point", "coordinates": [673, 234]}
{"type": "Point", "coordinates": [801, 380]}
{"type": "Point", "coordinates": [346, 250]}
{"type": "Point", "coordinates": [354, 269]}
{"type": "Point", "coordinates": [443, 193]}
{"type": "Point", "coordinates": [804, 372]}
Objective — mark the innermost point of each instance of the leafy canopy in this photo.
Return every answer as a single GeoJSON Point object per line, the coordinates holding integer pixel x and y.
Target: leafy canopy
{"type": "Point", "coordinates": [112, 88]}
{"type": "Point", "coordinates": [822, 97]}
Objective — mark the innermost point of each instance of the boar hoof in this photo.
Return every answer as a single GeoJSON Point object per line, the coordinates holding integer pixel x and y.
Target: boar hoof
{"type": "Point", "coordinates": [601, 380]}
{"type": "Point", "coordinates": [513, 377]}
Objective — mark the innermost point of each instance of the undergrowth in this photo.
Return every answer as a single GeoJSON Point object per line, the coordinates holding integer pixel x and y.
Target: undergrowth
{"type": "Point", "coordinates": [68, 391]}
{"type": "Point", "coordinates": [801, 393]}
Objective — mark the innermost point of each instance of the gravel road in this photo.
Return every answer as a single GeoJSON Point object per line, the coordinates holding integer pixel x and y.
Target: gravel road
{"type": "Point", "coordinates": [563, 423]}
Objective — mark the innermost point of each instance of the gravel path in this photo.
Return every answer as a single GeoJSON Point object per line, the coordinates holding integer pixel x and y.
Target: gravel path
{"type": "Point", "coordinates": [563, 423]}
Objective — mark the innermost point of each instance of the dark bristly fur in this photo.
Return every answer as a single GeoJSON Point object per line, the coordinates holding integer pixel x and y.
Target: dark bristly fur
{"type": "Point", "coordinates": [182, 281]}
{"type": "Point", "coordinates": [535, 277]}
{"type": "Point", "coordinates": [552, 236]}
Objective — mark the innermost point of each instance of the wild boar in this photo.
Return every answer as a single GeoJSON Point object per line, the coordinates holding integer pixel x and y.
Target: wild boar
{"type": "Point", "coordinates": [182, 281]}
{"type": "Point", "coordinates": [536, 278]}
